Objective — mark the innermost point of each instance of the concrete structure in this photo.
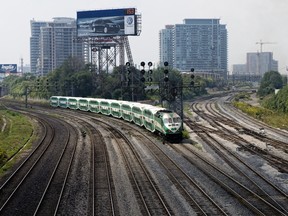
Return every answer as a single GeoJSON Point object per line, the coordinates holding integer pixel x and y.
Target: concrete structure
{"type": "Point", "coordinates": [260, 63]}
{"type": "Point", "coordinates": [239, 69]}
{"type": "Point", "coordinates": [165, 41]}
{"type": "Point", "coordinates": [197, 43]}
{"type": "Point", "coordinates": [257, 64]}
{"type": "Point", "coordinates": [51, 43]}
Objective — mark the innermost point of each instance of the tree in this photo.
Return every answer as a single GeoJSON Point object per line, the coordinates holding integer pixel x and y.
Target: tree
{"type": "Point", "coordinates": [271, 80]}
{"type": "Point", "coordinates": [278, 102]}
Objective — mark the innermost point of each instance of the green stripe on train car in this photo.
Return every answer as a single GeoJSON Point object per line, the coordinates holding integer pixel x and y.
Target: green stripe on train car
{"type": "Point", "coordinates": [83, 104]}
{"type": "Point", "coordinates": [115, 110]}
{"type": "Point", "coordinates": [105, 107]}
{"type": "Point", "coordinates": [94, 106]}
{"type": "Point", "coordinates": [63, 102]}
{"type": "Point", "coordinates": [72, 103]}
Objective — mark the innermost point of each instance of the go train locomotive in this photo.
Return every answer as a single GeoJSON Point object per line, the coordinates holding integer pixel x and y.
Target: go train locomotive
{"type": "Point", "coordinates": [155, 119]}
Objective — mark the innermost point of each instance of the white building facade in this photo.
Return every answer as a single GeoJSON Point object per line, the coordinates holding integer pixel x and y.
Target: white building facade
{"type": "Point", "coordinates": [51, 43]}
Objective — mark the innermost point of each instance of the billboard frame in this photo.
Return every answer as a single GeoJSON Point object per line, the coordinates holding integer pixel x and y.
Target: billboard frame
{"type": "Point", "coordinates": [107, 23]}
{"type": "Point", "coordinates": [8, 68]}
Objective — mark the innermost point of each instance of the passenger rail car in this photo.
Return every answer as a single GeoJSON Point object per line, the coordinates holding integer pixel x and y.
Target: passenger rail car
{"type": "Point", "coordinates": [155, 119]}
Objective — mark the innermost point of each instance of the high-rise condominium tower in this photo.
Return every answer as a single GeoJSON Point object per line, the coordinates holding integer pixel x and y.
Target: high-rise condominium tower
{"type": "Point", "coordinates": [51, 43]}
{"type": "Point", "coordinates": [197, 43]}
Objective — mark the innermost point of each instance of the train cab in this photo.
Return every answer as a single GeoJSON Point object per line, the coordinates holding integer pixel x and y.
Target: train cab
{"type": "Point", "coordinates": [172, 122]}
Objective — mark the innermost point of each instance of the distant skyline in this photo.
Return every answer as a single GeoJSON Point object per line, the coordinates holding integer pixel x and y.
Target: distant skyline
{"type": "Point", "coordinates": [248, 22]}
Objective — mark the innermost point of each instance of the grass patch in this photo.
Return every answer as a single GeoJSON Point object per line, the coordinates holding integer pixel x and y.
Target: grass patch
{"type": "Point", "coordinates": [187, 110]}
{"type": "Point", "coordinates": [15, 132]}
{"type": "Point", "coordinates": [275, 119]}
{"type": "Point", "coordinates": [242, 96]}
{"type": "Point", "coordinates": [185, 134]}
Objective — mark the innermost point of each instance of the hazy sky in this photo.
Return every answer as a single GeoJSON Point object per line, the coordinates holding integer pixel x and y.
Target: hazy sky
{"type": "Point", "coordinates": [248, 22]}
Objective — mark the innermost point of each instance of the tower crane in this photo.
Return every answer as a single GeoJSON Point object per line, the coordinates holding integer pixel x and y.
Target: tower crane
{"type": "Point", "coordinates": [261, 44]}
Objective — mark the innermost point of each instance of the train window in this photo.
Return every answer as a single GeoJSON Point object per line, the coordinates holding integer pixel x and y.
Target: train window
{"type": "Point", "coordinates": [167, 120]}
{"type": "Point", "coordinates": [177, 120]}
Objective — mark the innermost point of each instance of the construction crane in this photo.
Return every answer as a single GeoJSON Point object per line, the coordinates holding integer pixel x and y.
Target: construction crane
{"type": "Point", "coordinates": [261, 44]}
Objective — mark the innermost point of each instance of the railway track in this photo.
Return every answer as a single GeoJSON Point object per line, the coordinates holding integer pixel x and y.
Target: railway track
{"type": "Point", "coordinates": [279, 137]}
{"type": "Point", "coordinates": [150, 199]}
{"type": "Point", "coordinates": [201, 203]}
{"type": "Point", "coordinates": [104, 198]}
{"type": "Point", "coordinates": [20, 185]}
{"type": "Point", "coordinates": [273, 195]}
{"type": "Point", "coordinates": [116, 168]}
{"type": "Point", "coordinates": [95, 179]}
{"type": "Point", "coordinates": [218, 122]}
{"type": "Point", "coordinates": [248, 197]}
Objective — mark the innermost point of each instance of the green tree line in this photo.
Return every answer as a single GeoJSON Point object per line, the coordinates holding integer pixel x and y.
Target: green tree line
{"type": "Point", "coordinates": [74, 78]}
{"type": "Point", "coordinates": [276, 101]}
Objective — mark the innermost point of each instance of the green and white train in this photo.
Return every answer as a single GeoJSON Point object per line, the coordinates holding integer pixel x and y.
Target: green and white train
{"type": "Point", "coordinates": [155, 119]}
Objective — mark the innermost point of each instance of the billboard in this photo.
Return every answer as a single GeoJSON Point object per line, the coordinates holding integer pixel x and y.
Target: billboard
{"type": "Point", "coordinates": [8, 68]}
{"type": "Point", "coordinates": [112, 22]}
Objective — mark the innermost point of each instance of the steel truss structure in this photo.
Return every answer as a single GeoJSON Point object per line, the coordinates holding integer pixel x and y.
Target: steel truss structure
{"type": "Point", "coordinates": [102, 52]}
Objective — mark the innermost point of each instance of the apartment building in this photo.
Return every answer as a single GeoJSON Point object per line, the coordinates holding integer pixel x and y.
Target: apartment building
{"type": "Point", "coordinates": [197, 43]}
{"type": "Point", "coordinates": [51, 43]}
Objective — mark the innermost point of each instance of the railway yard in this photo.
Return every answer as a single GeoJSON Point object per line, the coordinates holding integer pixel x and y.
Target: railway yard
{"type": "Point", "coordinates": [84, 163]}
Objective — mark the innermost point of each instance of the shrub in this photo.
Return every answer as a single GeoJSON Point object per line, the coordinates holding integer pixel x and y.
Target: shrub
{"type": "Point", "coordinates": [3, 157]}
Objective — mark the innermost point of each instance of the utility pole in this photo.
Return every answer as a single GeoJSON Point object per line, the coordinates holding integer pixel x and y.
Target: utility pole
{"type": "Point", "coordinates": [26, 97]}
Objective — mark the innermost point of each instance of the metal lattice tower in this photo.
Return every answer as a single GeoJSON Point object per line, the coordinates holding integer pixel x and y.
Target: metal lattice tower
{"type": "Point", "coordinates": [103, 52]}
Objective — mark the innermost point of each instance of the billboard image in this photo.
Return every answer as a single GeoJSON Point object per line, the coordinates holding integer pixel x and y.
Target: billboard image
{"type": "Point", "coordinates": [101, 23]}
{"type": "Point", "coordinates": [8, 68]}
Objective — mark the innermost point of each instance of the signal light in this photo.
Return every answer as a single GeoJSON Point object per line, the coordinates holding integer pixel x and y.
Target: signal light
{"type": "Point", "coordinates": [128, 81]}
{"type": "Point", "coordinates": [56, 86]}
{"type": "Point", "coordinates": [174, 92]}
{"type": "Point", "coordinates": [150, 72]}
{"type": "Point", "coordinates": [38, 83]}
{"type": "Point", "coordinates": [165, 63]}
{"type": "Point", "coordinates": [142, 71]}
{"type": "Point", "coordinates": [166, 79]}
{"type": "Point", "coordinates": [142, 79]}
{"type": "Point", "coordinates": [192, 78]}
{"type": "Point", "coordinates": [149, 64]}
{"type": "Point", "coordinates": [166, 71]}
{"type": "Point", "coordinates": [142, 64]}
{"type": "Point", "coordinates": [128, 64]}
{"type": "Point", "coordinates": [192, 69]}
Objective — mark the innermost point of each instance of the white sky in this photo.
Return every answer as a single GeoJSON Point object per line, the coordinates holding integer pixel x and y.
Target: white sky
{"type": "Point", "coordinates": [248, 22]}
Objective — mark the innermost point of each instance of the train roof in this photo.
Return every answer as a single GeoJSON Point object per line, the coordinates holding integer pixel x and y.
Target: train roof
{"type": "Point", "coordinates": [141, 106]}
{"type": "Point", "coordinates": [153, 109]}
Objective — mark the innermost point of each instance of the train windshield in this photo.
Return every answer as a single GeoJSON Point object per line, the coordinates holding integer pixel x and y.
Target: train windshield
{"type": "Point", "coordinates": [172, 120]}
{"type": "Point", "coordinates": [167, 120]}
{"type": "Point", "coordinates": [177, 120]}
